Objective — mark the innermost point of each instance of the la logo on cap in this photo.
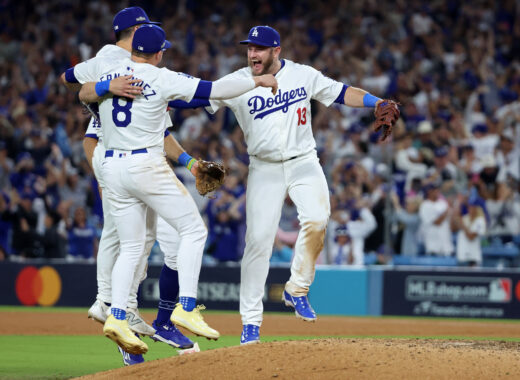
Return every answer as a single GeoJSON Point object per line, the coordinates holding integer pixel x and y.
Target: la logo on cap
{"type": "Point", "coordinates": [140, 19]}
{"type": "Point", "coordinates": [255, 33]}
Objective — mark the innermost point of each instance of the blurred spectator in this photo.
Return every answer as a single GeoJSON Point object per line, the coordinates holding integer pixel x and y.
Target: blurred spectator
{"type": "Point", "coordinates": [435, 222]}
{"type": "Point", "coordinates": [5, 224]}
{"type": "Point", "coordinates": [483, 142]}
{"type": "Point", "coordinates": [23, 220]}
{"type": "Point", "coordinates": [508, 157]}
{"type": "Point", "coordinates": [282, 253]}
{"type": "Point", "coordinates": [82, 237]}
{"type": "Point", "coordinates": [55, 236]}
{"type": "Point", "coordinates": [341, 250]}
{"type": "Point", "coordinates": [472, 228]}
{"type": "Point", "coordinates": [454, 67]}
{"type": "Point", "coordinates": [361, 224]}
{"type": "Point", "coordinates": [226, 213]}
{"type": "Point", "coordinates": [409, 218]}
{"type": "Point", "coordinates": [6, 167]}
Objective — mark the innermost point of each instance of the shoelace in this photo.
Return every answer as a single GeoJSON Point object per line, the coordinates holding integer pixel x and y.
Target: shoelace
{"type": "Point", "coordinates": [197, 310]}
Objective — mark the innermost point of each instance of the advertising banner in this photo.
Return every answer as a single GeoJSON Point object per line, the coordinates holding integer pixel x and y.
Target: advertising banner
{"type": "Point", "coordinates": [452, 294]}
{"type": "Point", "coordinates": [219, 288]}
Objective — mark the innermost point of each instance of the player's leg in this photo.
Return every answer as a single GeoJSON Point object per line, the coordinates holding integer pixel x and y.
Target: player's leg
{"type": "Point", "coordinates": [108, 248]}
{"type": "Point", "coordinates": [129, 214]}
{"type": "Point", "coordinates": [169, 241]}
{"type": "Point", "coordinates": [170, 199]}
{"type": "Point", "coordinates": [309, 191]}
{"type": "Point", "coordinates": [266, 191]}
{"type": "Point", "coordinates": [134, 318]}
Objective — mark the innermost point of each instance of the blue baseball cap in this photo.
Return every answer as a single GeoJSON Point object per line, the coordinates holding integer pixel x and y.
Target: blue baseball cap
{"type": "Point", "coordinates": [441, 151]}
{"type": "Point", "coordinates": [150, 39]}
{"type": "Point", "coordinates": [263, 35]}
{"type": "Point", "coordinates": [129, 17]}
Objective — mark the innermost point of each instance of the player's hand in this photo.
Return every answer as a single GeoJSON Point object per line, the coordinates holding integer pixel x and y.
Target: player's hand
{"type": "Point", "coordinates": [194, 169]}
{"type": "Point", "coordinates": [267, 80]}
{"type": "Point", "coordinates": [125, 86]}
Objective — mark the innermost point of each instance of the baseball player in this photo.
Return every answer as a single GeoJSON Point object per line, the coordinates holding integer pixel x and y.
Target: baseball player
{"type": "Point", "coordinates": [283, 161]}
{"type": "Point", "coordinates": [137, 175]}
{"type": "Point", "coordinates": [125, 23]}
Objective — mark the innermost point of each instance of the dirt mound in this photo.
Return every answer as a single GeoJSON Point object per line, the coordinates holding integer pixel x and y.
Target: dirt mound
{"type": "Point", "coordinates": [53, 323]}
{"type": "Point", "coordinates": [337, 359]}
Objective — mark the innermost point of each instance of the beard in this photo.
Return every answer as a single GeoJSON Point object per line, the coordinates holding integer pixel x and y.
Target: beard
{"type": "Point", "coordinates": [267, 63]}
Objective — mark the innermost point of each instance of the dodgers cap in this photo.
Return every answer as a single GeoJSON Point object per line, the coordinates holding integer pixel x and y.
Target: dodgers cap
{"type": "Point", "coordinates": [128, 17]}
{"type": "Point", "coordinates": [263, 35]}
{"type": "Point", "coordinates": [150, 39]}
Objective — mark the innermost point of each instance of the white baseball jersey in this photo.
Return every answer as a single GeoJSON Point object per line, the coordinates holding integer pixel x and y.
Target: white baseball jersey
{"type": "Point", "coordinates": [83, 74]}
{"type": "Point", "coordinates": [134, 124]}
{"type": "Point", "coordinates": [278, 127]}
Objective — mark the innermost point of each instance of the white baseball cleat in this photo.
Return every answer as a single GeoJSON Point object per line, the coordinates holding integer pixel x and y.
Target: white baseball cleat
{"type": "Point", "coordinates": [99, 311]}
{"type": "Point", "coordinates": [137, 323]}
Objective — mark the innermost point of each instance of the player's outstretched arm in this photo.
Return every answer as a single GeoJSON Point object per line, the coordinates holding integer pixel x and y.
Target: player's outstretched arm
{"type": "Point", "coordinates": [225, 89]}
{"type": "Point", "coordinates": [121, 86]}
{"type": "Point", "coordinates": [355, 97]}
{"type": "Point", "coordinates": [233, 87]}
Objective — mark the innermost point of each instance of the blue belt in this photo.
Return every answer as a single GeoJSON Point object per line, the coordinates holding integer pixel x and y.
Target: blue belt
{"type": "Point", "coordinates": [110, 152]}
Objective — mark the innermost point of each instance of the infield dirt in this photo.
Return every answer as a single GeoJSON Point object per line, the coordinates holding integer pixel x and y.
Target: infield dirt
{"type": "Point", "coordinates": [326, 358]}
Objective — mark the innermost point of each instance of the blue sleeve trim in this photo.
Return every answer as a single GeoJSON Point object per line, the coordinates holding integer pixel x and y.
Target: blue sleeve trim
{"type": "Point", "coordinates": [203, 89]}
{"type": "Point", "coordinates": [341, 97]}
{"type": "Point", "coordinates": [195, 103]}
{"type": "Point", "coordinates": [166, 133]}
{"type": "Point", "coordinates": [70, 77]}
{"type": "Point", "coordinates": [92, 136]}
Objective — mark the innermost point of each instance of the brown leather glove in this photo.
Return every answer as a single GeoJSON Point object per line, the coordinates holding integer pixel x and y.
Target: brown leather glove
{"type": "Point", "coordinates": [210, 176]}
{"type": "Point", "coordinates": [387, 113]}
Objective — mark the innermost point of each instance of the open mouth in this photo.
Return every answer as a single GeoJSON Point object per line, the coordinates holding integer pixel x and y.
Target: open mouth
{"type": "Point", "coordinates": [257, 65]}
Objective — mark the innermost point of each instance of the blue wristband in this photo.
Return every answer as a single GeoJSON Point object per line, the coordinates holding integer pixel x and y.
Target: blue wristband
{"type": "Point", "coordinates": [102, 87]}
{"type": "Point", "coordinates": [370, 100]}
{"type": "Point", "coordinates": [184, 158]}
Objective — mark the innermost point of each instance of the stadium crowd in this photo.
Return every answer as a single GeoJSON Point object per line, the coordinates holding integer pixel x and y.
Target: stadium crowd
{"type": "Point", "coordinates": [448, 180]}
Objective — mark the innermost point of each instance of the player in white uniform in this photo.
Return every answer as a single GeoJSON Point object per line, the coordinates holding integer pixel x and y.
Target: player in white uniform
{"type": "Point", "coordinates": [283, 160]}
{"type": "Point", "coordinates": [137, 175]}
{"type": "Point", "coordinates": [125, 23]}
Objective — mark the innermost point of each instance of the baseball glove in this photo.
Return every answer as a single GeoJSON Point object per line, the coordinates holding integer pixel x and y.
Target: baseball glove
{"type": "Point", "coordinates": [387, 113]}
{"type": "Point", "coordinates": [210, 176]}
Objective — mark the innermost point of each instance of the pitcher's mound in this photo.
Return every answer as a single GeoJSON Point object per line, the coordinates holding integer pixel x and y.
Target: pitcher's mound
{"type": "Point", "coordinates": [338, 359]}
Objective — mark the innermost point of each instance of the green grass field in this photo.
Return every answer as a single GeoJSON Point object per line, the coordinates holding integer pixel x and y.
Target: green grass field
{"type": "Point", "coordinates": [39, 357]}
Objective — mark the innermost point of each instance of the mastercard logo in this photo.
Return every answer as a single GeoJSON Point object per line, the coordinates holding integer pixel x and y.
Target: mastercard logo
{"type": "Point", "coordinates": [38, 286]}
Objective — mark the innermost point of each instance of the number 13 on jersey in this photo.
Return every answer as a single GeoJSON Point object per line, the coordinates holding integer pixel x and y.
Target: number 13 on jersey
{"type": "Point", "coordinates": [302, 115]}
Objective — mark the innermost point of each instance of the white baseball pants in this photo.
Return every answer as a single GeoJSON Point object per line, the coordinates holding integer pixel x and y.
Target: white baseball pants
{"type": "Point", "coordinates": [267, 186]}
{"type": "Point", "coordinates": [108, 249]}
{"type": "Point", "coordinates": [135, 182]}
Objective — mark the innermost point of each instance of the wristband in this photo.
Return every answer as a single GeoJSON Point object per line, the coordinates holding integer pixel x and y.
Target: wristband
{"type": "Point", "coordinates": [370, 100]}
{"type": "Point", "coordinates": [102, 87]}
{"type": "Point", "coordinates": [185, 160]}
{"type": "Point", "coordinates": [190, 163]}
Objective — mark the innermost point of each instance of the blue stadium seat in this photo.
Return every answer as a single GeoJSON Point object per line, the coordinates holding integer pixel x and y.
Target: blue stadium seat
{"type": "Point", "coordinates": [425, 261]}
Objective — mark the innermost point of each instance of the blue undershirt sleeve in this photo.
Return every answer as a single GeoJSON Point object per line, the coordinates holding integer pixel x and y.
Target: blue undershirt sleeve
{"type": "Point", "coordinates": [195, 103]}
{"type": "Point", "coordinates": [70, 77]}
{"type": "Point", "coordinates": [203, 90]}
{"type": "Point", "coordinates": [341, 97]}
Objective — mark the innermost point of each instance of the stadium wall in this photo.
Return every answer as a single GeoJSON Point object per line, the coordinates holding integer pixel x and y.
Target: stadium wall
{"type": "Point", "coordinates": [407, 291]}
